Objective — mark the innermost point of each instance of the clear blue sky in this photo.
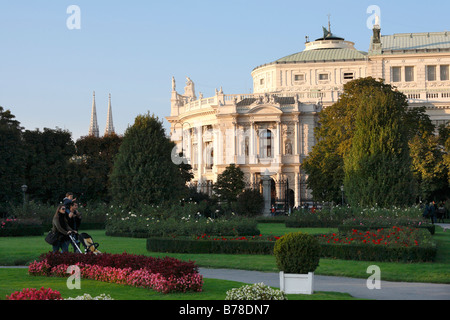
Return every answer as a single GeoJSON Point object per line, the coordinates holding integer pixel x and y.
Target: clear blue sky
{"type": "Point", "coordinates": [132, 49]}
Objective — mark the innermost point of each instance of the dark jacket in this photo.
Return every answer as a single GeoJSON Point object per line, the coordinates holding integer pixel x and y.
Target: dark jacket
{"type": "Point", "coordinates": [61, 226]}
{"type": "Point", "coordinates": [74, 222]}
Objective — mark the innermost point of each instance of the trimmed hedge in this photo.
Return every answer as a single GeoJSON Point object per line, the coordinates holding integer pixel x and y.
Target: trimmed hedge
{"type": "Point", "coordinates": [378, 253]}
{"type": "Point", "coordinates": [189, 245]}
{"type": "Point", "coordinates": [20, 228]}
{"type": "Point", "coordinates": [264, 247]}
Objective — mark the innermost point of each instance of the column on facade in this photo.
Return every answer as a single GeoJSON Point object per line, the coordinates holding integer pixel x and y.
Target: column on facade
{"type": "Point", "coordinates": [199, 156]}
{"type": "Point", "coordinates": [278, 143]}
{"type": "Point", "coordinates": [216, 146]}
{"type": "Point", "coordinates": [278, 187]}
{"type": "Point", "coordinates": [252, 143]}
{"type": "Point", "coordinates": [296, 137]}
{"type": "Point", "coordinates": [297, 190]}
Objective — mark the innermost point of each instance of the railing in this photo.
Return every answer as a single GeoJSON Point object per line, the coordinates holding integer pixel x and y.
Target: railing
{"type": "Point", "coordinates": [329, 96]}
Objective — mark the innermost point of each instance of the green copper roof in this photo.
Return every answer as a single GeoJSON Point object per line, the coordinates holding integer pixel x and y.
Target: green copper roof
{"type": "Point", "coordinates": [321, 55]}
{"type": "Point", "coordinates": [415, 42]}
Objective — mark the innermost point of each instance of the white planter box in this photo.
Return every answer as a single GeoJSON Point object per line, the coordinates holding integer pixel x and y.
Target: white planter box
{"type": "Point", "coordinates": [297, 283]}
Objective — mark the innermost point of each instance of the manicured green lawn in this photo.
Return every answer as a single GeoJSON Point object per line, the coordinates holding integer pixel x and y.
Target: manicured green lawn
{"type": "Point", "coordinates": [20, 251]}
{"type": "Point", "coordinates": [17, 279]}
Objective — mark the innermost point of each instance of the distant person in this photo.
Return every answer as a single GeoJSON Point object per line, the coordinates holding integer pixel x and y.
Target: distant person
{"type": "Point", "coordinates": [432, 211]}
{"type": "Point", "coordinates": [441, 212]}
{"type": "Point", "coordinates": [60, 225]}
{"type": "Point", "coordinates": [426, 211]}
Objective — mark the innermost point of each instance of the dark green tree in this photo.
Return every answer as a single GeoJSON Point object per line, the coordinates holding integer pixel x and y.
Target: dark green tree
{"type": "Point", "coordinates": [48, 173]}
{"type": "Point", "coordinates": [250, 203]}
{"type": "Point", "coordinates": [430, 171]}
{"type": "Point", "coordinates": [143, 171]}
{"type": "Point", "coordinates": [230, 184]}
{"type": "Point", "coordinates": [338, 126]}
{"type": "Point", "coordinates": [95, 158]}
{"type": "Point", "coordinates": [444, 141]}
{"type": "Point", "coordinates": [377, 166]}
{"type": "Point", "coordinates": [325, 164]}
{"type": "Point", "coordinates": [12, 159]}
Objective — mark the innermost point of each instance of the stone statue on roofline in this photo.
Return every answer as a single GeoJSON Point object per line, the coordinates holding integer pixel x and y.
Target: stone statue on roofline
{"type": "Point", "coordinates": [189, 90]}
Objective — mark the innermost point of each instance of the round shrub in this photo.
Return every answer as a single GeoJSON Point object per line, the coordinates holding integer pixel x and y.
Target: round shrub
{"type": "Point", "coordinates": [297, 253]}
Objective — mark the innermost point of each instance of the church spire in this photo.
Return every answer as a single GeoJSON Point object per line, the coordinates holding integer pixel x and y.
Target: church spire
{"type": "Point", "coordinates": [109, 122]}
{"type": "Point", "coordinates": [93, 129]}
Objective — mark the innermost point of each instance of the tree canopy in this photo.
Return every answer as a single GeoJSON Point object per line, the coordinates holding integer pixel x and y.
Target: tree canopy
{"type": "Point", "coordinates": [365, 142]}
{"type": "Point", "coordinates": [230, 184]}
{"type": "Point", "coordinates": [12, 158]}
{"type": "Point", "coordinates": [143, 170]}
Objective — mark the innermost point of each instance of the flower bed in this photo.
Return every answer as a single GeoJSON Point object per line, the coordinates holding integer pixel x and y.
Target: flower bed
{"type": "Point", "coordinates": [162, 275]}
{"type": "Point", "coordinates": [365, 224]}
{"type": "Point", "coordinates": [35, 294]}
{"type": "Point", "coordinates": [213, 244]}
{"type": "Point", "coordinates": [399, 244]}
{"type": "Point", "coordinates": [384, 244]}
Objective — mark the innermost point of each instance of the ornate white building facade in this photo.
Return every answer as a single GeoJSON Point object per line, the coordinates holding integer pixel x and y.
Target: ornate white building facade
{"type": "Point", "coordinates": [271, 131]}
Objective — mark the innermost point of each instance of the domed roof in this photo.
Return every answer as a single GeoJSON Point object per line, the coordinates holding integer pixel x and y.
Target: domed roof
{"type": "Point", "coordinates": [324, 55]}
{"type": "Point", "coordinates": [329, 48]}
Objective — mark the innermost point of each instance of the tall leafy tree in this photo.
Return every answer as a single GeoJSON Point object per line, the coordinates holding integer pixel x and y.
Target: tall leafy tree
{"type": "Point", "coordinates": [428, 158]}
{"type": "Point", "coordinates": [324, 166]}
{"type": "Point", "coordinates": [95, 158]}
{"type": "Point", "coordinates": [378, 165]}
{"type": "Point", "coordinates": [143, 170]}
{"type": "Point", "coordinates": [230, 184]}
{"type": "Point", "coordinates": [356, 112]}
{"type": "Point", "coordinates": [444, 140]}
{"type": "Point", "coordinates": [12, 158]}
{"type": "Point", "coordinates": [48, 173]}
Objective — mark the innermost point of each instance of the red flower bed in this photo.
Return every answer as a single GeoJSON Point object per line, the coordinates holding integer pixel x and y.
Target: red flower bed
{"type": "Point", "coordinates": [165, 266]}
{"type": "Point", "coordinates": [163, 275]}
{"type": "Point", "coordinates": [395, 236]}
{"type": "Point", "coordinates": [34, 294]}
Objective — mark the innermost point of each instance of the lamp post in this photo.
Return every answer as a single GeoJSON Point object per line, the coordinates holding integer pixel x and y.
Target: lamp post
{"type": "Point", "coordinates": [342, 191]}
{"type": "Point", "coordinates": [24, 191]}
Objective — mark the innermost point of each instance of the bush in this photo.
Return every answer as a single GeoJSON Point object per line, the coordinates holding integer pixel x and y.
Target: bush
{"type": "Point", "coordinates": [297, 253]}
{"type": "Point", "coordinates": [257, 291]}
{"type": "Point", "coordinates": [20, 227]}
{"type": "Point", "coordinates": [141, 226]}
{"type": "Point", "coordinates": [250, 203]}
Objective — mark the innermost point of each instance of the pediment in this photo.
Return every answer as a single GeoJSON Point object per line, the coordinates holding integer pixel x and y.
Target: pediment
{"type": "Point", "coordinates": [265, 109]}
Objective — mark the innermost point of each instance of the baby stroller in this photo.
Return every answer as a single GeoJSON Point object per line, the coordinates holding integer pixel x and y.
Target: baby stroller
{"type": "Point", "coordinates": [88, 243]}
